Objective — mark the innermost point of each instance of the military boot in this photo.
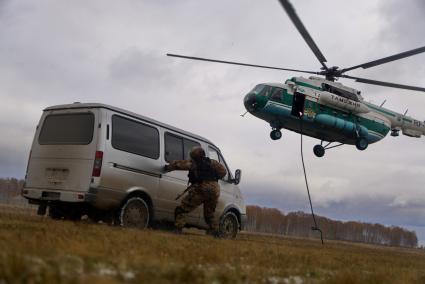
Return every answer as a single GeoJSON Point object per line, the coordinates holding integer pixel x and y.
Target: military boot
{"type": "Point", "coordinates": [178, 231]}
{"type": "Point", "coordinates": [214, 233]}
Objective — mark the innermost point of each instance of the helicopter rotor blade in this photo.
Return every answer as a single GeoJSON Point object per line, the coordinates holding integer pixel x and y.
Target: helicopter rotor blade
{"type": "Point", "coordinates": [387, 59]}
{"type": "Point", "coordinates": [385, 84]}
{"type": "Point", "coordinates": [239, 63]}
{"type": "Point", "coordinates": [303, 31]}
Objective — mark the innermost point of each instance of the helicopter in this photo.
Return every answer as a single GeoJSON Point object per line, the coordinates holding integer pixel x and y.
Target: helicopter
{"type": "Point", "coordinates": [322, 108]}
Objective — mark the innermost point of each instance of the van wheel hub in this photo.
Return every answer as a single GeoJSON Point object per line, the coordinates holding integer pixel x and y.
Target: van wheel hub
{"type": "Point", "coordinates": [134, 213]}
{"type": "Point", "coordinates": [229, 226]}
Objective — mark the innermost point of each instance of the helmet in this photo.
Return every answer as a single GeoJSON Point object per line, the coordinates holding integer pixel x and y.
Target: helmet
{"type": "Point", "coordinates": [197, 153]}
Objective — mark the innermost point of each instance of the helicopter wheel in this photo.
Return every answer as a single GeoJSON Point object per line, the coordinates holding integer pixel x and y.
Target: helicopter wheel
{"type": "Point", "coordinates": [275, 134]}
{"type": "Point", "coordinates": [361, 144]}
{"type": "Point", "coordinates": [319, 151]}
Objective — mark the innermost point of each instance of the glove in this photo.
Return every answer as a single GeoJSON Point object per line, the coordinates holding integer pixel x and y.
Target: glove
{"type": "Point", "coordinates": [166, 168]}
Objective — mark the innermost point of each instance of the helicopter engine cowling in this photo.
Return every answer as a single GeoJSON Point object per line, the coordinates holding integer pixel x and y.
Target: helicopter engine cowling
{"type": "Point", "coordinates": [343, 103]}
{"type": "Point", "coordinates": [346, 127]}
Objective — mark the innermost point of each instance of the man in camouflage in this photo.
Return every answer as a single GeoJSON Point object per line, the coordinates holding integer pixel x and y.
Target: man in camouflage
{"type": "Point", "coordinates": [204, 174]}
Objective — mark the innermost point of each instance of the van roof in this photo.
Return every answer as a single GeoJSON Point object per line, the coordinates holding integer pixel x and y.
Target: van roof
{"type": "Point", "coordinates": [129, 113]}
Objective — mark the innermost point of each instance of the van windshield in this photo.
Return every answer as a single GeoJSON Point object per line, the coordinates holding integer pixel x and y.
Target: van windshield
{"type": "Point", "coordinates": [67, 129]}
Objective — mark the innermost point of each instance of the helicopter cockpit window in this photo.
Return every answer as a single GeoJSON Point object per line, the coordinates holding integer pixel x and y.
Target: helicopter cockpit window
{"type": "Point", "coordinates": [266, 92]}
{"type": "Point", "coordinates": [257, 89]}
{"type": "Point", "coordinates": [277, 94]}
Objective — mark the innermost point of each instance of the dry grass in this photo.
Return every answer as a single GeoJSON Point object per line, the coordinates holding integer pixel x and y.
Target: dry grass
{"type": "Point", "coordinates": [36, 249]}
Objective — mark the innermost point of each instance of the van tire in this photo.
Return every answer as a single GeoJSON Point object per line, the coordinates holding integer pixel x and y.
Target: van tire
{"type": "Point", "coordinates": [134, 213]}
{"type": "Point", "coordinates": [69, 212]}
{"type": "Point", "coordinates": [229, 226]}
{"type": "Point", "coordinates": [55, 212]}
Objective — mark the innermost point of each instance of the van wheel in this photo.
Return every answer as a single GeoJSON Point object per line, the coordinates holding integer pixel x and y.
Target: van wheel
{"type": "Point", "coordinates": [134, 213]}
{"type": "Point", "coordinates": [229, 226]}
{"type": "Point", "coordinates": [65, 211]}
{"type": "Point", "coordinates": [73, 215]}
{"type": "Point", "coordinates": [55, 212]}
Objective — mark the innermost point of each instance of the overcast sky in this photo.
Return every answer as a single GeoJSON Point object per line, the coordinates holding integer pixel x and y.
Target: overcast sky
{"type": "Point", "coordinates": [113, 52]}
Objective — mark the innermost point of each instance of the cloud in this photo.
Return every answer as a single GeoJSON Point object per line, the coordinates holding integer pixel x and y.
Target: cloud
{"type": "Point", "coordinates": [404, 22]}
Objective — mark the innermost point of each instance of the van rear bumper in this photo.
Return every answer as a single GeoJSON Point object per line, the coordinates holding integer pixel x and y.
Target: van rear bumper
{"type": "Point", "coordinates": [39, 195]}
{"type": "Point", "coordinates": [100, 198]}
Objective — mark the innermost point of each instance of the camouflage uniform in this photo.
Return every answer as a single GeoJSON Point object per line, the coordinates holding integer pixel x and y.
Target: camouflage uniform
{"type": "Point", "coordinates": [204, 192]}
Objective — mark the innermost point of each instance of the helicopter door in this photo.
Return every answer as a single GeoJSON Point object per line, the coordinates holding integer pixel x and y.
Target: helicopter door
{"type": "Point", "coordinates": [298, 102]}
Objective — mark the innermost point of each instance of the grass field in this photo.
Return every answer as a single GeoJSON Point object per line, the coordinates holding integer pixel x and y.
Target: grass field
{"type": "Point", "coordinates": [36, 249]}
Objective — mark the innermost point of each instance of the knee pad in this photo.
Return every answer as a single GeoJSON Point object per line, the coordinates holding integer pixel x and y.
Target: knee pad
{"type": "Point", "coordinates": [178, 211]}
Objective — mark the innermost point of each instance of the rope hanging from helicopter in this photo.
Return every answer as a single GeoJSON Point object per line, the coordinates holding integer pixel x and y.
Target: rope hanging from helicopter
{"type": "Point", "coordinates": [315, 227]}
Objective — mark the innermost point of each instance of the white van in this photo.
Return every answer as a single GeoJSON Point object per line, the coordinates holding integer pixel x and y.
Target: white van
{"type": "Point", "coordinates": [105, 162]}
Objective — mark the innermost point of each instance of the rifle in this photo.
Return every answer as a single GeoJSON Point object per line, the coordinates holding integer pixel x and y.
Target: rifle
{"type": "Point", "coordinates": [193, 170]}
{"type": "Point", "coordinates": [183, 193]}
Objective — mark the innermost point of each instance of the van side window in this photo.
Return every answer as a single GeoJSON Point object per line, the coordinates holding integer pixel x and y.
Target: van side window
{"type": "Point", "coordinates": [213, 154]}
{"type": "Point", "coordinates": [135, 137]}
{"type": "Point", "coordinates": [188, 145]}
{"type": "Point", "coordinates": [173, 147]}
{"type": "Point", "coordinates": [178, 148]}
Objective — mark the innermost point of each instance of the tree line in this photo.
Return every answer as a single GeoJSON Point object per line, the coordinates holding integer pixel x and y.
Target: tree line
{"type": "Point", "coordinates": [271, 220]}
{"type": "Point", "coordinates": [10, 188]}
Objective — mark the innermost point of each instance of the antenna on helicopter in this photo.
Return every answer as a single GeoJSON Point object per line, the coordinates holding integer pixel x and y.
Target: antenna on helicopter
{"type": "Point", "coordinates": [243, 115]}
{"type": "Point", "coordinates": [406, 111]}
{"type": "Point", "coordinates": [383, 103]}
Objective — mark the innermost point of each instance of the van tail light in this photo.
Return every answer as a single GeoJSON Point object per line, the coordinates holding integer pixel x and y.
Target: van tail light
{"type": "Point", "coordinates": [97, 167]}
{"type": "Point", "coordinates": [28, 164]}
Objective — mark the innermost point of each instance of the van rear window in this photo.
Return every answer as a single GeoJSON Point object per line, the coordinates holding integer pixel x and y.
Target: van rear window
{"type": "Point", "coordinates": [67, 129]}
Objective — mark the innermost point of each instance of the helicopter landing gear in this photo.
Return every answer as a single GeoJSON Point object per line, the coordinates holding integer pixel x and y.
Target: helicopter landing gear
{"type": "Point", "coordinates": [319, 149]}
{"type": "Point", "coordinates": [362, 143]}
{"type": "Point", "coordinates": [275, 134]}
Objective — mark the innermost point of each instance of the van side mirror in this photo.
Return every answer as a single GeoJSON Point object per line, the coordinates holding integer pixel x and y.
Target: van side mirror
{"type": "Point", "coordinates": [237, 178]}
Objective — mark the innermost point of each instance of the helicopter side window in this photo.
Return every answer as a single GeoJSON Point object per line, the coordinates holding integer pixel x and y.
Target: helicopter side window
{"type": "Point", "coordinates": [277, 95]}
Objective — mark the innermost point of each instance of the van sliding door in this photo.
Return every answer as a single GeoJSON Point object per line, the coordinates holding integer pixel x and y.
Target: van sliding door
{"type": "Point", "coordinates": [132, 158]}
{"type": "Point", "coordinates": [174, 183]}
